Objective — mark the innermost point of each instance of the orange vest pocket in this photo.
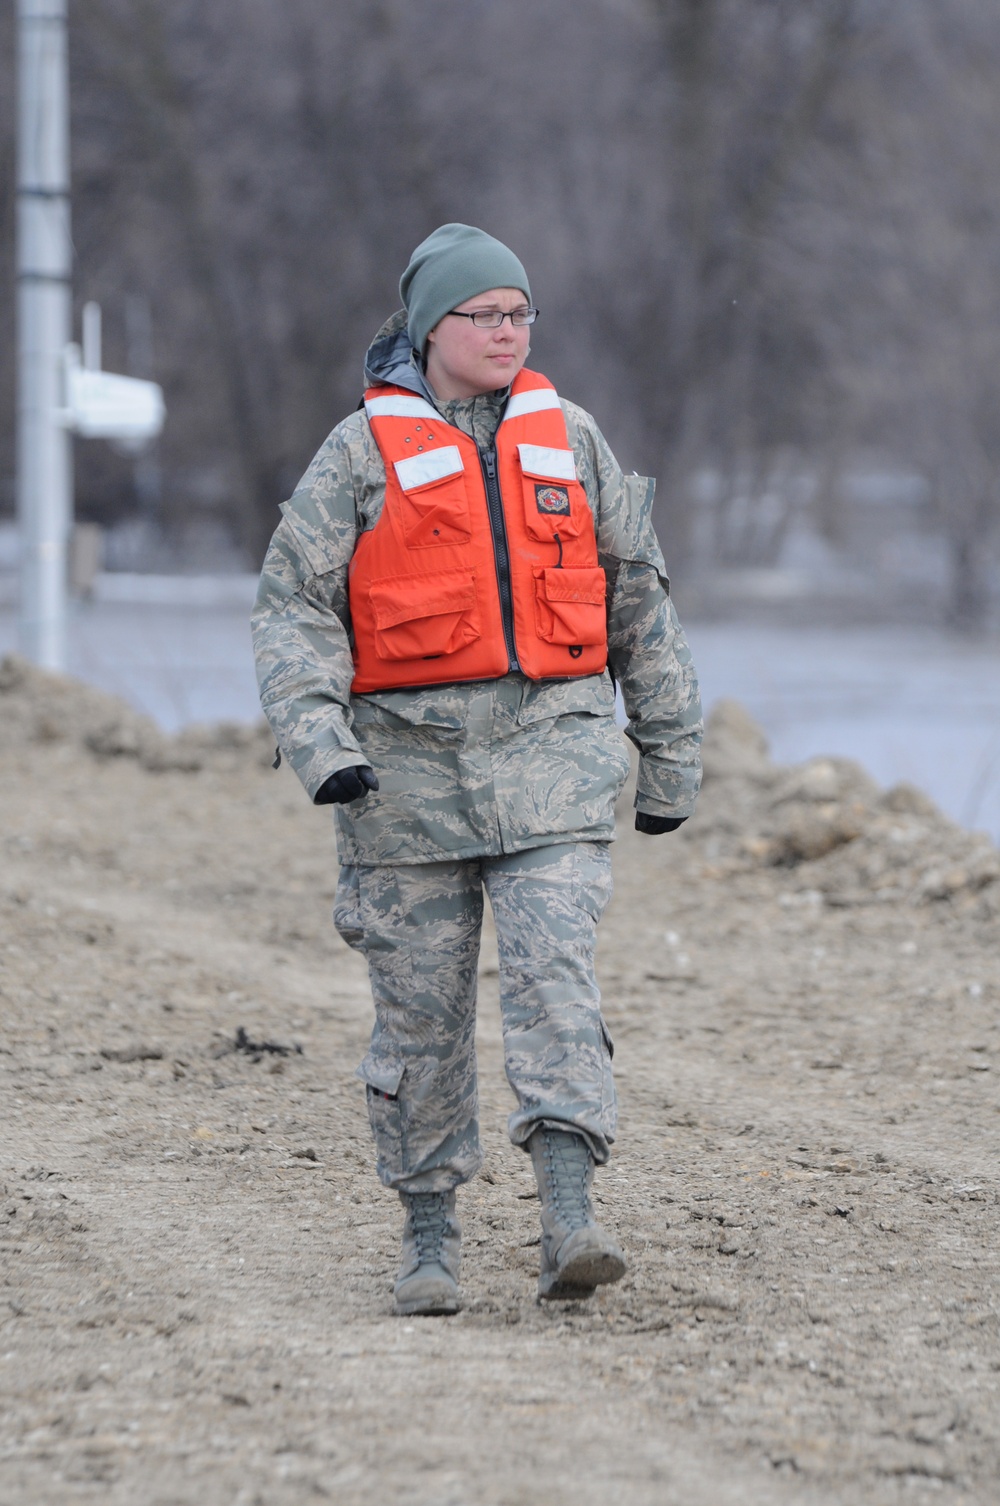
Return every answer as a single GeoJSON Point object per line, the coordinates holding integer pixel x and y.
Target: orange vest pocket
{"type": "Point", "coordinates": [570, 605]}
{"type": "Point", "coordinates": [424, 616]}
{"type": "Point", "coordinates": [435, 505]}
{"type": "Point", "coordinates": [553, 496]}
{"type": "Point", "coordinates": [436, 514]}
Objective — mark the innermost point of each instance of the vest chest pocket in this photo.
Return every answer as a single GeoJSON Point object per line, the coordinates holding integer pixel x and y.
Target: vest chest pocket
{"type": "Point", "coordinates": [570, 605]}
{"type": "Point", "coordinates": [425, 616]}
{"type": "Point", "coordinates": [553, 497]}
{"type": "Point", "coordinates": [433, 504]}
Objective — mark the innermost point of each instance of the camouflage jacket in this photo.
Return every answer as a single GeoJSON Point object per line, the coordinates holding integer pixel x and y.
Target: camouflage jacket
{"type": "Point", "coordinates": [492, 766]}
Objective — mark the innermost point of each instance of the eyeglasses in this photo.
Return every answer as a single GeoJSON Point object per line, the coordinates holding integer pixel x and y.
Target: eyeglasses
{"type": "Point", "coordinates": [493, 318]}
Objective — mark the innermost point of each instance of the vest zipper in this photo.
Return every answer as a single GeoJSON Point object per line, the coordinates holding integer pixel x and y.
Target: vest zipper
{"type": "Point", "coordinates": [501, 552]}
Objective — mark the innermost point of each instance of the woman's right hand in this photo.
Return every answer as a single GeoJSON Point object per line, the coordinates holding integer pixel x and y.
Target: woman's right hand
{"type": "Point", "coordinates": [346, 785]}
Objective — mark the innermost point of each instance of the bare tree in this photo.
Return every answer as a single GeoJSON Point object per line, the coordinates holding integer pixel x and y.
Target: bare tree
{"type": "Point", "coordinates": [761, 232]}
{"type": "Point", "coordinates": [8, 185]}
{"type": "Point", "coordinates": [901, 254]}
{"type": "Point", "coordinates": [740, 93]}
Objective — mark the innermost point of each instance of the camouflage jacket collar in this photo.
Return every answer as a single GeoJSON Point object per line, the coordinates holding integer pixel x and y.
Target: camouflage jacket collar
{"type": "Point", "coordinates": [392, 359]}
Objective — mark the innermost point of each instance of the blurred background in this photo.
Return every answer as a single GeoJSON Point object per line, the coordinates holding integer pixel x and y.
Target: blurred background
{"type": "Point", "coordinates": [765, 239]}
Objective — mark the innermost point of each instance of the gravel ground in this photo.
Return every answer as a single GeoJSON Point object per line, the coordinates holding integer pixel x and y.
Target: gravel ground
{"type": "Point", "coordinates": [197, 1258]}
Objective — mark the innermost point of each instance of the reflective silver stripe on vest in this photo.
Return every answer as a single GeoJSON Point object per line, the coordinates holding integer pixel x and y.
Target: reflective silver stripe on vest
{"type": "Point", "coordinates": [421, 470]}
{"type": "Point", "coordinates": [539, 460]}
{"type": "Point", "coordinates": [537, 401]}
{"type": "Point", "coordinates": [401, 407]}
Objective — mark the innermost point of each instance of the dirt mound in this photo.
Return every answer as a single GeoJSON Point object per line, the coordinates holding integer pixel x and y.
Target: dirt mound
{"type": "Point", "coordinates": [37, 706]}
{"type": "Point", "coordinates": [735, 747]}
{"type": "Point", "coordinates": [827, 819]}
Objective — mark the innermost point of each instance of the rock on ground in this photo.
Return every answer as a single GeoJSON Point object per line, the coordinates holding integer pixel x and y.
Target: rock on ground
{"type": "Point", "coordinates": [195, 1286]}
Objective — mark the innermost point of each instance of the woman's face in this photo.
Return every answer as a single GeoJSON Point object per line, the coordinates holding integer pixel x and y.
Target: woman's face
{"type": "Point", "coordinates": [463, 361]}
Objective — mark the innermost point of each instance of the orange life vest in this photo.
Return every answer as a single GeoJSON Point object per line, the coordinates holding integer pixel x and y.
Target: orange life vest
{"type": "Point", "coordinates": [480, 563]}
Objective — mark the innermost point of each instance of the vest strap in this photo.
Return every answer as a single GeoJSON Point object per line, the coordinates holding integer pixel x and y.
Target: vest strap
{"type": "Point", "coordinates": [536, 401]}
{"type": "Point", "coordinates": [400, 406]}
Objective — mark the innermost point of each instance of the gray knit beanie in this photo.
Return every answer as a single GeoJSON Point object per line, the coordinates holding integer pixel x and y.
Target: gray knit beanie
{"type": "Point", "coordinates": [453, 264]}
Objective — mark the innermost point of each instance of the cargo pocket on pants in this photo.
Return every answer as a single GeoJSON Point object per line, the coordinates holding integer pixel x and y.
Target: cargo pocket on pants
{"type": "Point", "coordinates": [347, 908]}
{"type": "Point", "coordinates": [382, 1073]}
{"type": "Point", "coordinates": [609, 1098]}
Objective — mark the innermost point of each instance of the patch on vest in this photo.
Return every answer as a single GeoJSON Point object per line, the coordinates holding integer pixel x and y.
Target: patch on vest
{"type": "Point", "coordinates": [552, 499]}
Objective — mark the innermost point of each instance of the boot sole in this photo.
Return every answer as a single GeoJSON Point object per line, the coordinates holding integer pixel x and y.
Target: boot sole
{"type": "Point", "coordinates": [437, 1301]}
{"type": "Point", "coordinates": [581, 1274]}
{"type": "Point", "coordinates": [443, 1309]}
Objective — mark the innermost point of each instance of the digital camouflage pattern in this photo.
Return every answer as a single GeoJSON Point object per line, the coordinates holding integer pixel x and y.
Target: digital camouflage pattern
{"type": "Point", "coordinates": [419, 928]}
{"type": "Point", "coordinates": [488, 767]}
{"type": "Point", "coordinates": [506, 785]}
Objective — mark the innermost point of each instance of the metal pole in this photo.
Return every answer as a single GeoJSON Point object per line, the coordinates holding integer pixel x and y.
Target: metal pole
{"type": "Point", "coordinates": [44, 264]}
{"type": "Point", "coordinates": [92, 336]}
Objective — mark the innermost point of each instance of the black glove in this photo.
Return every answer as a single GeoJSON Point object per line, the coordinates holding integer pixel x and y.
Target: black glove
{"type": "Point", "coordinates": [345, 785]}
{"type": "Point", "coordinates": [655, 826]}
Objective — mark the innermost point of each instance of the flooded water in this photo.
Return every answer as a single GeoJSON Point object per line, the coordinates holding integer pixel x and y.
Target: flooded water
{"type": "Point", "coordinates": [921, 706]}
{"type": "Point", "coordinates": [909, 705]}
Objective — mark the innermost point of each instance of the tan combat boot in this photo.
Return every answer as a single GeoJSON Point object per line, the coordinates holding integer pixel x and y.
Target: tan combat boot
{"type": "Point", "coordinates": [577, 1254]}
{"type": "Point", "coordinates": [427, 1284]}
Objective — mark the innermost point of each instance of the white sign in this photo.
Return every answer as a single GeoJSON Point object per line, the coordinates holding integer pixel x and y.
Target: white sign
{"type": "Point", "coordinates": [101, 405]}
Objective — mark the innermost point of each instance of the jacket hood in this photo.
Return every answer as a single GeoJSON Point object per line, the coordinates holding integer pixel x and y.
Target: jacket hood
{"type": "Point", "coordinates": [391, 358]}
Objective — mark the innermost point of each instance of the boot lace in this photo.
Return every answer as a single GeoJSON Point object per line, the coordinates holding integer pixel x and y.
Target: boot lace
{"type": "Point", "coordinates": [429, 1224]}
{"type": "Point", "coordinates": [568, 1161]}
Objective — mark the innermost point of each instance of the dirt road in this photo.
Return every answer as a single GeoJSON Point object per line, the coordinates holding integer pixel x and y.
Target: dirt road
{"type": "Point", "coordinates": [197, 1258]}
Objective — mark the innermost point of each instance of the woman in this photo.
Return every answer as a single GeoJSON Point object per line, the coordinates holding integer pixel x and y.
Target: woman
{"type": "Point", "coordinates": [459, 580]}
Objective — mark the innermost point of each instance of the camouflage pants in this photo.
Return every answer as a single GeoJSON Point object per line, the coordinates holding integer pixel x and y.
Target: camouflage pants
{"type": "Point", "coordinates": [419, 927]}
